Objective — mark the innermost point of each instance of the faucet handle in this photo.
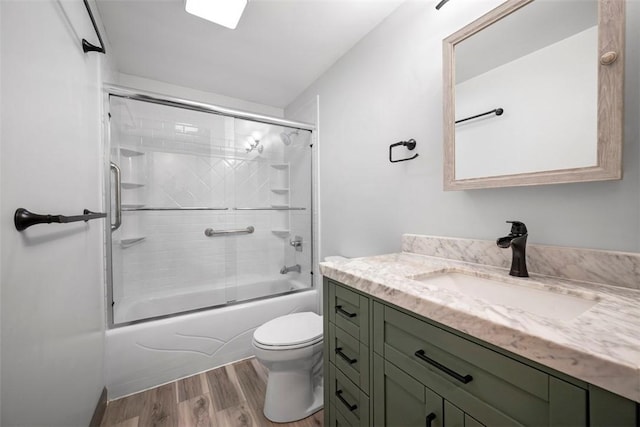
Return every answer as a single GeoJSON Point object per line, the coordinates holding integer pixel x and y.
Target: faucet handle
{"type": "Point", "coordinates": [518, 228]}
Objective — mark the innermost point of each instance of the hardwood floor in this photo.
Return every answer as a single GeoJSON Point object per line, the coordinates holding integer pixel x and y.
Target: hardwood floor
{"type": "Point", "coordinates": [230, 396]}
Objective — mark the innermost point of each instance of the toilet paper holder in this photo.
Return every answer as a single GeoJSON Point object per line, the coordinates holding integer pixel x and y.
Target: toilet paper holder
{"type": "Point", "coordinates": [410, 144]}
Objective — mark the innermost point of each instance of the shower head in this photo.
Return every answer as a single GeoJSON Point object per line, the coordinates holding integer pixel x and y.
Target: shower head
{"type": "Point", "coordinates": [286, 137]}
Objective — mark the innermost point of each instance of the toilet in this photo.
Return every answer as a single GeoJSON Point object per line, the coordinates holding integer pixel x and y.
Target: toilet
{"type": "Point", "coordinates": [290, 347]}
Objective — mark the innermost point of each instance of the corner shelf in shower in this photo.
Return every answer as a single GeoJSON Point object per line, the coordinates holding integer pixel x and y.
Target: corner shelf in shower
{"type": "Point", "coordinates": [280, 190]}
{"type": "Point", "coordinates": [280, 165]}
{"type": "Point", "coordinates": [281, 233]}
{"type": "Point", "coordinates": [128, 152]}
{"type": "Point", "coordinates": [127, 243]}
{"type": "Point", "coordinates": [130, 207]}
{"type": "Point", "coordinates": [131, 185]}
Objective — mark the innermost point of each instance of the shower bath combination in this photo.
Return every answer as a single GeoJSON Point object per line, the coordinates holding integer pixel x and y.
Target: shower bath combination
{"type": "Point", "coordinates": [205, 225]}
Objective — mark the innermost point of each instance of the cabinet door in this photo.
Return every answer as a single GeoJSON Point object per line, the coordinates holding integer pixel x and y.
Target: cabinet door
{"type": "Point", "coordinates": [399, 400]}
{"type": "Point", "coordinates": [455, 417]}
{"type": "Point", "coordinates": [433, 407]}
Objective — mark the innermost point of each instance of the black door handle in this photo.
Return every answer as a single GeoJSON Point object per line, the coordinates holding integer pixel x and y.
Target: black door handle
{"type": "Point", "coordinates": [345, 357]}
{"type": "Point", "coordinates": [464, 379]}
{"type": "Point", "coordinates": [430, 418]}
{"type": "Point", "coordinates": [340, 310]}
{"type": "Point", "coordinates": [349, 406]}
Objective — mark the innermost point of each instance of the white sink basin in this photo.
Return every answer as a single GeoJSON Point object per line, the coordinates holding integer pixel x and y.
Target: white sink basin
{"type": "Point", "coordinates": [541, 302]}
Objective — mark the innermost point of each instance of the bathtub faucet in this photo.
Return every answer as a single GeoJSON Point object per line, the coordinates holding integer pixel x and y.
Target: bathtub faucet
{"type": "Point", "coordinates": [285, 269]}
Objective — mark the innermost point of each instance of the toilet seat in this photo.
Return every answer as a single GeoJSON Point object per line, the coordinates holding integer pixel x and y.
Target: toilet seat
{"type": "Point", "coordinates": [289, 332]}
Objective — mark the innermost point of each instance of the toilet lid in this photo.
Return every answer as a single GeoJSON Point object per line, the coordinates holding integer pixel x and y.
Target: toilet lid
{"type": "Point", "coordinates": [292, 329]}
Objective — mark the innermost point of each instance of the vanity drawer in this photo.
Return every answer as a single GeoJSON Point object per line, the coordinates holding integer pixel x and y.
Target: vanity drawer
{"type": "Point", "coordinates": [336, 419]}
{"type": "Point", "coordinates": [350, 356]}
{"type": "Point", "coordinates": [349, 310]}
{"type": "Point", "coordinates": [348, 399]}
{"type": "Point", "coordinates": [464, 373]}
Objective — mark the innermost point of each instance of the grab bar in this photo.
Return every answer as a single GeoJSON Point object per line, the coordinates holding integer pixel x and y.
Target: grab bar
{"type": "Point", "coordinates": [118, 223]}
{"type": "Point", "coordinates": [210, 232]}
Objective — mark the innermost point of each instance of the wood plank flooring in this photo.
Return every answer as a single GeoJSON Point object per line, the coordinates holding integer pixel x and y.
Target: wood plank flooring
{"type": "Point", "coordinates": [229, 396]}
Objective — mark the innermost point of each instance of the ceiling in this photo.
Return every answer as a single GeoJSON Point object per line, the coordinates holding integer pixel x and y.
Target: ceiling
{"type": "Point", "coordinates": [278, 49]}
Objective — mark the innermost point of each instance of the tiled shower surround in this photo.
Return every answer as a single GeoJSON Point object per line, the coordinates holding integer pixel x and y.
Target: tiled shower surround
{"type": "Point", "coordinates": [176, 158]}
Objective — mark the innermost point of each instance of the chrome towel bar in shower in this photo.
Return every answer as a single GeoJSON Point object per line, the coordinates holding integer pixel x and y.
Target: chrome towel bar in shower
{"type": "Point", "coordinates": [24, 219]}
{"type": "Point", "coordinates": [210, 232]}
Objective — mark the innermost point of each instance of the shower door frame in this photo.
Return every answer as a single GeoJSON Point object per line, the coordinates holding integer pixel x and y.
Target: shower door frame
{"type": "Point", "coordinates": [171, 101]}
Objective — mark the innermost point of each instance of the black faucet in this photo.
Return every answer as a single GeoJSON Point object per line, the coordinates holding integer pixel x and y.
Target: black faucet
{"type": "Point", "coordinates": [517, 239]}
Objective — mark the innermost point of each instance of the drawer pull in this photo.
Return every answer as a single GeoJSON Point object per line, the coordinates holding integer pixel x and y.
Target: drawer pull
{"type": "Point", "coordinates": [430, 418]}
{"type": "Point", "coordinates": [345, 357]}
{"type": "Point", "coordinates": [340, 310]}
{"type": "Point", "coordinates": [464, 379]}
{"type": "Point", "coordinates": [349, 406]}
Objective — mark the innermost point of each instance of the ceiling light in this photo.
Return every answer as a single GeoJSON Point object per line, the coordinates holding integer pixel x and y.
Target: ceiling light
{"type": "Point", "coordinates": [223, 12]}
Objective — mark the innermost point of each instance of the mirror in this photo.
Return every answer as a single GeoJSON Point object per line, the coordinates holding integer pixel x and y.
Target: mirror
{"type": "Point", "coordinates": [533, 94]}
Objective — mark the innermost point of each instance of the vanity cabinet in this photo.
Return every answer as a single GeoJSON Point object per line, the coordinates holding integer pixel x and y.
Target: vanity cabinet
{"type": "Point", "coordinates": [389, 367]}
{"type": "Point", "coordinates": [346, 356]}
{"type": "Point", "coordinates": [401, 400]}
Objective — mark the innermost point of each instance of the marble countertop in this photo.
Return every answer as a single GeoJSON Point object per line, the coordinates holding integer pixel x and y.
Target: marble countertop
{"type": "Point", "coordinates": [600, 346]}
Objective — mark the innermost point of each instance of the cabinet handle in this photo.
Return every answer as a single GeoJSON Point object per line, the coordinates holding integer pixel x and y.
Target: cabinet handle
{"type": "Point", "coordinates": [349, 406]}
{"type": "Point", "coordinates": [345, 357]}
{"type": "Point", "coordinates": [430, 417]}
{"type": "Point", "coordinates": [340, 310]}
{"type": "Point", "coordinates": [464, 379]}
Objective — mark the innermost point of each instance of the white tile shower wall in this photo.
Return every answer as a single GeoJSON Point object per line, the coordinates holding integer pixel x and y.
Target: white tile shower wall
{"type": "Point", "coordinates": [201, 160]}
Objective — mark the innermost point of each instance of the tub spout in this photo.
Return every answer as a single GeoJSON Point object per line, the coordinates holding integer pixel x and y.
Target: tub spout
{"type": "Point", "coordinates": [285, 269]}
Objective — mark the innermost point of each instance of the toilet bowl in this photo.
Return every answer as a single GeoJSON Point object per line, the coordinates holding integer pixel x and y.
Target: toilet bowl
{"type": "Point", "coordinates": [290, 347]}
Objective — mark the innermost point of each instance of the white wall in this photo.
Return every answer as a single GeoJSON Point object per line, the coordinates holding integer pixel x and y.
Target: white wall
{"type": "Point", "coordinates": [52, 281]}
{"type": "Point", "coordinates": [389, 88]}
{"type": "Point", "coordinates": [156, 86]}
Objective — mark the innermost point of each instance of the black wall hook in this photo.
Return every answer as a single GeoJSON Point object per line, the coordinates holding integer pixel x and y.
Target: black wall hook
{"type": "Point", "coordinates": [410, 144]}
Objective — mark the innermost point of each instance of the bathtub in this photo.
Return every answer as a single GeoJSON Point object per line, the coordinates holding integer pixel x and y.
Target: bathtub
{"type": "Point", "coordinates": [145, 355]}
{"type": "Point", "coordinates": [161, 303]}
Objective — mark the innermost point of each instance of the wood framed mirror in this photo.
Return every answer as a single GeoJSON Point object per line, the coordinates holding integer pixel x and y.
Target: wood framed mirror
{"type": "Point", "coordinates": [533, 95]}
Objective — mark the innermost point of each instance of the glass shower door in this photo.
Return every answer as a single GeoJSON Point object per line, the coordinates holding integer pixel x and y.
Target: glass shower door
{"type": "Point", "coordinates": [215, 209]}
{"type": "Point", "coordinates": [272, 192]}
{"type": "Point", "coordinates": [174, 185]}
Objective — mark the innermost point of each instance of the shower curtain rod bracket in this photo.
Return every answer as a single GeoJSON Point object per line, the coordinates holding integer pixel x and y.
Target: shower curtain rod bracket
{"type": "Point", "coordinates": [86, 46]}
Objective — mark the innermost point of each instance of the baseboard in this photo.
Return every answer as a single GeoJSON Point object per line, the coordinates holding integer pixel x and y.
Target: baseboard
{"type": "Point", "coordinates": [101, 407]}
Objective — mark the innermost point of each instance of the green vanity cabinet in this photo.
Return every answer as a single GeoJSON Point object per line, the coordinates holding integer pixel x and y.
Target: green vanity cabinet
{"type": "Point", "coordinates": [401, 400]}
{"type": "Point", "coordinates": [389, 367]}
{"type": "Point", "coordinates": [347, 356]}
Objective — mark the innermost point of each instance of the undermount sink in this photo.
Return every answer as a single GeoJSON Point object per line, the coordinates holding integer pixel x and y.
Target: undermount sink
{"type": "Point", "coordinates": [541, 302]}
